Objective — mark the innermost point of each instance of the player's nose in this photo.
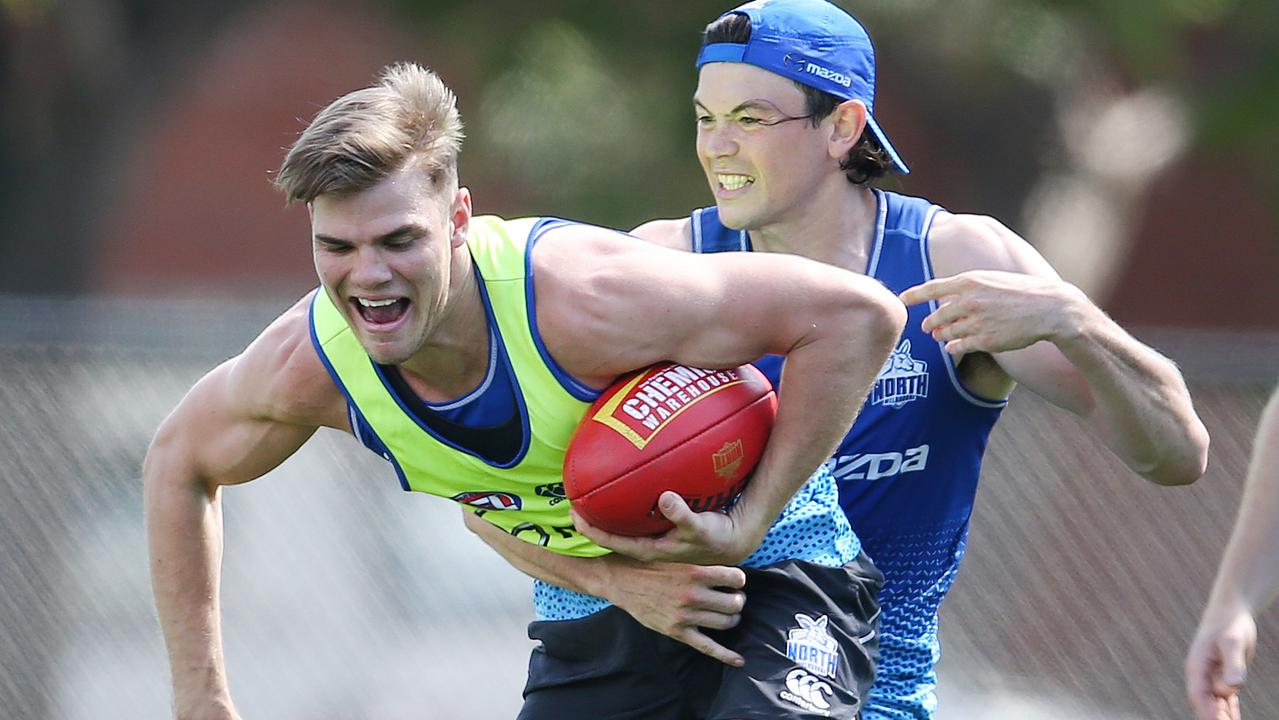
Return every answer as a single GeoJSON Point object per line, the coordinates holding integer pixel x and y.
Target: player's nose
{"type": "Point", "coordinates": [370, 268]}
{"type": "Point", "coordinates": [718, 141]}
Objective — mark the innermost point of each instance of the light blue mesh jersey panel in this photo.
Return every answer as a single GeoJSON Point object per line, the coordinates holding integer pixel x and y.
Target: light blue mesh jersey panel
{"type": "Point", "coordinates": [907, 470]}
{"type": "Point", "coordinates": [811, 527]}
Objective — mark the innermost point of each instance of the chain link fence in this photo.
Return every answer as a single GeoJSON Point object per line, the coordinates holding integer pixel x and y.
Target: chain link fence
{"type": "Point", "coordinates": [344, 597]}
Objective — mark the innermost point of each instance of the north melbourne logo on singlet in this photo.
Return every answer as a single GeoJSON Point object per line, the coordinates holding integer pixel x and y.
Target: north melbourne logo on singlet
{"type": "Point", "coordinates": [902, 379]}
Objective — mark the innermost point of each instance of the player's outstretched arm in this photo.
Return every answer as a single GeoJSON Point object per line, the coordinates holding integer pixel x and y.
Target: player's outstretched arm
{"type": "Point", "coordinates": [636, 304]}
{"type": "Point", "coordinates": [995, 294]}
{"type": "Point", "coordinates": [675, 599]}
{"type": "Point", "coordinates": [1247, 581]}
{"type": "Point", "coordinates": [239, 421]}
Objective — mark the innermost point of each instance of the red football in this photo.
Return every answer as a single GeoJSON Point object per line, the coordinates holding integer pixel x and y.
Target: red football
{"type": "Point", "coordinates": [667, 427]}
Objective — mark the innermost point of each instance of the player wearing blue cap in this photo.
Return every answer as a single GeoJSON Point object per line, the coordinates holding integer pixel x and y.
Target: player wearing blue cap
{"type": "Point", "coordinates": [789, 144]}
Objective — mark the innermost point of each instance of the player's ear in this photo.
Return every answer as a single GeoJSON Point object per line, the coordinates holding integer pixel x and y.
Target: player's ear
{"type": "Point", "coordinates": [460, 216]}
{"type": "Point", "coordinates": [848, 121]}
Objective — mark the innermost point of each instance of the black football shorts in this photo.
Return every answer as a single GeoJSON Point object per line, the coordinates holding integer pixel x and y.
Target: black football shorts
{"type": "Point", "coordinates": [808, 633]}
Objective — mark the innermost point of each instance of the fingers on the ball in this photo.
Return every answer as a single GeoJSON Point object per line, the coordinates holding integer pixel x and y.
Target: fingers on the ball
{"type": "Point", "coordinates": [595, 535]}
{"type": "Point", "coordinates": [580, 523]}
{"type": "Point", "coordinates": [620, 543]}
{"type": "Point", "coordinates": [674, 507]}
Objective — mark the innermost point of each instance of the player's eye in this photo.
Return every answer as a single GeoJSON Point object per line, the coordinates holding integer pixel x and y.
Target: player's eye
{"type": "Point", "coordinates": [335, 248]}
{"type": "Point", "coordinates": [705, 121]}
{"type": "Point", "coordinates": [749, 121]}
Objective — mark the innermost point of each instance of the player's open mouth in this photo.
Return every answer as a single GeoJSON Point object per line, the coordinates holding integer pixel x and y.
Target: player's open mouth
{"type": "Point", "coordinates": [381, 312]}
{"type": "Point", "coordinates": [733, 181]}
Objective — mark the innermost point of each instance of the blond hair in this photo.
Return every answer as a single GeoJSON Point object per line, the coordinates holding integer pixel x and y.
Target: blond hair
{"type": "Point", "coordinates": [409, 115]}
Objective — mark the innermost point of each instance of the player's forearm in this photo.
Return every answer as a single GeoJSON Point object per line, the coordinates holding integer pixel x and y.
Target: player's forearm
{"type": "Point", "coordinates": [584, 575]}
{"type": "Point", "coordinates": [826, 381]}
{"type": "Point", "coordinates": [184, 538]}
{"type": "Point", "coordinates": [1249, 571]}
{"type": "Point", "coordinates": [1141, 400]}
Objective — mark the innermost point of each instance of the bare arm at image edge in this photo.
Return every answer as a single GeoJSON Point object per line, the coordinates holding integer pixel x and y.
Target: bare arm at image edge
{"type": "Point", "coordinates": [1246, 584]}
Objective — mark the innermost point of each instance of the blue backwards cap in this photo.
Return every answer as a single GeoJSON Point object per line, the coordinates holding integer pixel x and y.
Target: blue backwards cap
{"type": "Point", "coordinates": [813, 42]}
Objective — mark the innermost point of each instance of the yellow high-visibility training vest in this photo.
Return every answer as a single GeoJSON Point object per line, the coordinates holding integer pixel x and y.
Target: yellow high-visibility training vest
{"type": "Point", "coordinates": [527, 498]}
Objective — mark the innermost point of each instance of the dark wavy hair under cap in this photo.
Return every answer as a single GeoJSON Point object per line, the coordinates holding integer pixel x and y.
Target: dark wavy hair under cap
{"type": "Point", "coordinates": [867, 161]}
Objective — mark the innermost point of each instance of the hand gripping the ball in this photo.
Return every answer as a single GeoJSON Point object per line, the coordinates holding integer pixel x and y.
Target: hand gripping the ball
{"type": "Point", "coordinates": [700, 538]}
{"type": "Point", "coordinates": [692, 433]}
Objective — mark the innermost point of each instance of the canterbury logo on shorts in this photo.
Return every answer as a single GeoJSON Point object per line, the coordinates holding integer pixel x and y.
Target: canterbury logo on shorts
{"type": "Point", "coordinates": [807, 691]}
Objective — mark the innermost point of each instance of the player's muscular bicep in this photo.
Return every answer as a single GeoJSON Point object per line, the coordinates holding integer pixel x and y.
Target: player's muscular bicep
{"type": "Point", "coordinates": [221, 437]}
{"type": "Point", "coordinates": [744, 305]}
{"type": "Point", "coordinates": [253, 411]}
{"type": "Point", "coordinates": [633, 304]}
{"type": "Point", "coordinates": [630, 305]}
{"type": "Point", "coordinates": [960, 243]}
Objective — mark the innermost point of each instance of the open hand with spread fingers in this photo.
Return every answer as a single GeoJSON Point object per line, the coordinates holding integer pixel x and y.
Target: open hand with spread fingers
{"type": "Point", "coordinates": [995, 311]}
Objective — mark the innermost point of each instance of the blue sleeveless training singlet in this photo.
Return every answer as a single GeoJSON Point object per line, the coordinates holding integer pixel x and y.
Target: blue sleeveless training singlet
{"type": "Point", "coordinates": [907, 470]}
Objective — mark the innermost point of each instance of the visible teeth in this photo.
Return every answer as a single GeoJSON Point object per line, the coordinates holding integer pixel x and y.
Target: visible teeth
{"type": "Point", "coordinates": [375, 303]}
{"type": "Point", "coordinates": [734, 182]}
